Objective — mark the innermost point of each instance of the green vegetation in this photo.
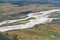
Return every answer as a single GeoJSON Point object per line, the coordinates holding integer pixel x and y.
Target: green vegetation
{"type": "Point", "coordinates": [9, 11]}
{"type": "Point", "coordinates": [32, 18]}
{"type": "Point", "coordinates": [54, 15]}
{"type": "Point", "coordinates": [56, 21]}
{"type": "Point", "coordinates": [3, 37]}
{"type": "Point", "coordinates": [38, 32]}
{"type": "Point", "coordinates": [17, 23]}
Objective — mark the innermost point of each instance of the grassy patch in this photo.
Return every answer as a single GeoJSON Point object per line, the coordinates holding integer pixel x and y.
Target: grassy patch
{"type": "Point", "coordinates": [16, 23]}
{"type": "Point", "coordinates": [56, 21]}
{"type": "Point", "coordinates": [54, 15]}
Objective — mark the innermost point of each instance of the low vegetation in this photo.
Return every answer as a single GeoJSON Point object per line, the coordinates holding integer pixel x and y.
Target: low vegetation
{"type": "Point", "coordinates": [32, 18]}
{"type": "Point", "coordinates": [10, 11]}
{"type": "Point", "coordinates": [16, 23]}
{"type": "Point", "coordinates": [56, 21]}
{"type": "Point", "coordinates": [54, 15]}
{"type": "Point", "coordinates": [38, 32]}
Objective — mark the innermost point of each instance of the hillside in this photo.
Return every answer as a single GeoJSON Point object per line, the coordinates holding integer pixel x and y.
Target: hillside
{"type": "Point", "coordinates": [9, 11]}
{"type": "Point", "coordinates": [38, 32]}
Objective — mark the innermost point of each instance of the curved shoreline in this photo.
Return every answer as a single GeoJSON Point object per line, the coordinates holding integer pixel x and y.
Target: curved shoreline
{"type": "Point", "coordinates": [40, 19]}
